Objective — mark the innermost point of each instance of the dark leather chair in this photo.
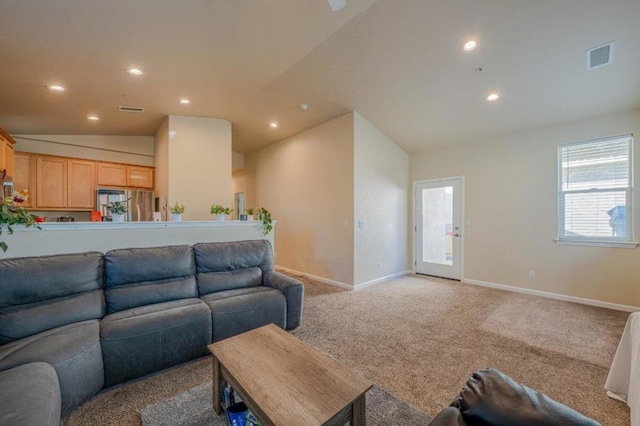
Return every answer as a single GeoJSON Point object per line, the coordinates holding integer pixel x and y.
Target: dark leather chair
{"type": "Point", "coordinates": [491, 398]}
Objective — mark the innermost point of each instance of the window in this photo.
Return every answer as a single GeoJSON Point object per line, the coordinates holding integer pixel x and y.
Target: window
{"type": "Point", "coordinates": [595, 191]}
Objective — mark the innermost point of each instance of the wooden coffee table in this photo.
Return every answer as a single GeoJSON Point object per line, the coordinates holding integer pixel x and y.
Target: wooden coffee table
{"type": "Point", "coordinates": [285, 381]}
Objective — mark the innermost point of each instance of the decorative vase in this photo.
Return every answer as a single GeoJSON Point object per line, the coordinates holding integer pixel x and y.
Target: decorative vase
{"type": "Point", "coordinates": [117, 217]}
{"type": "Point", "coordinates": [249, 218]}
{"type": "Point", "coordinates": [220, 217]}
{"type": "Point", "coordinates": [243, 217]}
{"type": "Point", "coordinates": [176, 217]}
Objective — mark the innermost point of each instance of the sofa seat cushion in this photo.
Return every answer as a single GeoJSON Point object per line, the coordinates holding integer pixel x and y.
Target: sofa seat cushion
{"type": "Point", "coordinates": [236, 311]}
{"type": "Point", "coordinates": [73, 350]}
{"type": "Point", "coordinates": [149, 338]}
{"type": "Point", "coordinates": [30, 395]}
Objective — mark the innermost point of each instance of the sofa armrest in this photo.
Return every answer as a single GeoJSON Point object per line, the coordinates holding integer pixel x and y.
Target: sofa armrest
{"type": "Point", "coordinates": [490, 397]}
{"type": "Point", "coordinates": [293, 291]}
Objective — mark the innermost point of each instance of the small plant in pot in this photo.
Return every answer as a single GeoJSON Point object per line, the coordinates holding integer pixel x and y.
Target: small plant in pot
{"type": "Point", "coordinates": [176, 212]}
{"type": "Point", "coordinates": [118, 209]}
{"type": "Point", "coordinates": [220, 211]}
{"type": "Point", "coordinates": [264, 216]}
{"type": "Point", "coordinates": [250, 213]}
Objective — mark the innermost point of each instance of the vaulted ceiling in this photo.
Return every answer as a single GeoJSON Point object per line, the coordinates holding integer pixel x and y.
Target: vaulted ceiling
{"type": "Point", "coordinates": [399, 63]}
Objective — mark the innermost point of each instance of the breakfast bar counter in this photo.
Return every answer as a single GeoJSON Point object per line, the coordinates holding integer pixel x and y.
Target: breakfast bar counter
{"type": "Point", "coordinates": [76, 237]}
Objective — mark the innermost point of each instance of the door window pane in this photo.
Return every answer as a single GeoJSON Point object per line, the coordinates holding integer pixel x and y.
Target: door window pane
{"type": "Point", "coordinates": [437, 225]}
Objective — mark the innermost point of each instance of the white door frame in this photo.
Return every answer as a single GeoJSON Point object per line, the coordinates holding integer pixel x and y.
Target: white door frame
{"type": "Point", "coordinates": [463, 227]}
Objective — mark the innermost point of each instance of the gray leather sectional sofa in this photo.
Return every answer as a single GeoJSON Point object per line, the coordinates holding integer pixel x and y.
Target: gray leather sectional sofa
{"type": "Point", "coordinates": [73, 324]}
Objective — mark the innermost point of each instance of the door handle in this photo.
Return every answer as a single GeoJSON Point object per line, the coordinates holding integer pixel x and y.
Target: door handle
{"type": "Point", "coordinates": [456, 235]}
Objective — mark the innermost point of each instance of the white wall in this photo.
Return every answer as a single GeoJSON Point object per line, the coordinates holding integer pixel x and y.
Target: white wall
{"type": "Point", "coordinates": [306, 182]}
{"type": "Point", "coordinates": [119, 149]}
{"type": "Point", "coordinates": [381, 182]}
{"type": "Point", "coordinates": [511, 200]}
{"type": "Point", "coordinates": [199, 165]}
{"type": "Point", "coordinates": [161, 154]}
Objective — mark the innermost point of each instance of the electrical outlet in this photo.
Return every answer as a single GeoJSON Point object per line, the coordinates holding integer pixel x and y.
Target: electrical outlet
{"type": "Point", "coordinates": [532, 274]}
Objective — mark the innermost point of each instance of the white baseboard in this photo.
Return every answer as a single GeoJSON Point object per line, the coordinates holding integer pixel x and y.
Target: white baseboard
{"type": "Point", "coordinates": [584, 301]}
{"type": "Point", "coordinates": [379, 280]}
{"type": "Point", "coordinates": [343, 285]}
{"type": "Point", "coordinates": [317, 278]}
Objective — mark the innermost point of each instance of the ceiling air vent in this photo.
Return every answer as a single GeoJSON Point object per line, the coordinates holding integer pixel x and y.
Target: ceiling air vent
{"type": "Point", "coordinates": [599, 56]}
{"type": "Point", "coordinates": [130, 109]}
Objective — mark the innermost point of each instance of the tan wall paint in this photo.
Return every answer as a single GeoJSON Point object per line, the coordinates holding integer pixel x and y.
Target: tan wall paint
{"type": "Point", "coordinates": [199, 164]}
{"type": "Point", "coordinates": [306, 181]}
{"type": "Point", "coordinates": [119, 149]}
{"type": "Point", "coordinates": [381, 182]}
{"type": "Point", "coordinates": [161, 154]}
{"type": "Point", "coordinates": [511, 187]}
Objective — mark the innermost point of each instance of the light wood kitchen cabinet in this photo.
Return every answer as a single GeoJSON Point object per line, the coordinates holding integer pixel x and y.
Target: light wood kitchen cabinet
{"type": "Point", "coordinates": [140, 177]}
{"type": "Point", "coordinates": [51, 182]}
{"type": "Point", "coordinates": [65, 183]}
{"type": "Point", "coordinates": [6, 153]}
{"type": "Point", "coordinates": [81, 187]}
{"type": "Point", "coordinates": [112, 174]}
{"type": "Point", "coordinates": [24, 177]}
{"type": "Point", "coordinates": [62, 183]}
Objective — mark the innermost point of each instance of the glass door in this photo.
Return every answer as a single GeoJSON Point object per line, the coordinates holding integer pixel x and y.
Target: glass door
{"type": "Point", "coordinates": [438, 239]}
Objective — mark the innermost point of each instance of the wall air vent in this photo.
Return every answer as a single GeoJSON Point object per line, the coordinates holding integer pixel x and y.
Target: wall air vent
{"type": "Point", "coordinates": [130, 109]}
{"type": "Point", "coordinates": [599, 56]}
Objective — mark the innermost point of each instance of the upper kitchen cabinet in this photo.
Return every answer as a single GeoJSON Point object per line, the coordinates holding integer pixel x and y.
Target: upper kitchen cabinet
{"type": "Point", "coordinates": [140, 177]}
{"type": "Point", "coordinates": [51, 178]}
{"type": "Point", "coordinates": [110, 174]}
{"type": "Point", "coordinates": [24, 177]}
{"type": "Point", "coordinates": [81, 186]}
{"type": "Point", "coordinates": [6, 153]}
{"type": "Point", "coordinates": [64, 183]}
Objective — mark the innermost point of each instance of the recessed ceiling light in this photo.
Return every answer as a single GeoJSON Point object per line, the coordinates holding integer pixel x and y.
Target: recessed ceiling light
{"type": "Point", "coordinates": [135, 71]}
{"type": "Point", "coordinates": [93, 117]}
{"type": "Point", "coordinates": [304, 107]}
{"type": "Point", "coordinates": [493, 97]}
{"type": "Point", "coordinates": [185, 101]}
{"type": "Point", "coordinates": [274, 125]}
{"type": "Point", "coordinates": [56, 88]}
{"type": "Point", "coordinates": [470, 45]}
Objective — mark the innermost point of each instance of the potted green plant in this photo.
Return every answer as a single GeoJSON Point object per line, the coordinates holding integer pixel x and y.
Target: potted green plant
{"type": "Point", "coordinates": [176, 212]}
{"type": "Point", "coordinates": [220, 211]}
{"type": "Point", "coordinates": [12, 214]}
{"type": "Point", "coordinates": [118, 209]}
{"type": "Point", "coordinates": [250, 213]}
{"type": "Point", "coordinates": [264, 216]}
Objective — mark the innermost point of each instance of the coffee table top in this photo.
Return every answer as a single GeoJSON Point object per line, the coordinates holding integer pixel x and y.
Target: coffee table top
{"type": "Point", "coordinates": [291, 382]}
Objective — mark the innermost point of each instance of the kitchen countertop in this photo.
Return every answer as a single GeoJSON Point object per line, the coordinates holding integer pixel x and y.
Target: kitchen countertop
{"type": "Point", "coordinates": [64, 226]}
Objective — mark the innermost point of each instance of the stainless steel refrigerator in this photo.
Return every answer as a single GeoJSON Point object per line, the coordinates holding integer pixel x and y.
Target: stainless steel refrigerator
{"type": "Point", "coordinates": [140, 203]}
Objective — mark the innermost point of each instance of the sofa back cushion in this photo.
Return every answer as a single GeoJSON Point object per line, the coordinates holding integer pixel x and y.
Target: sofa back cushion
{"type": "Point", "coordinates": [230, 265]}
{"type": "Point", "coordinates": [143, 276]}
{"type": "Point", "coordinates": [42, 293]}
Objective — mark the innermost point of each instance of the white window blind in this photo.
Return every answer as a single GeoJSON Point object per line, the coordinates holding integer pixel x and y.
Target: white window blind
{"type": "Point", "coordinates": [595, 190]}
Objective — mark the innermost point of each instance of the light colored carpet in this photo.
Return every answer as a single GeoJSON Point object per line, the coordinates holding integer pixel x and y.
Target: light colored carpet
{"type": "Point", "coordinates": [420, 339]}
{"type": "Point", "coordinates": [194, 408]}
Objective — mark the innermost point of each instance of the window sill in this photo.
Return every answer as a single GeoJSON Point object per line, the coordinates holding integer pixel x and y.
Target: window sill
{"type": "Point", "coordinates": [592, 243]}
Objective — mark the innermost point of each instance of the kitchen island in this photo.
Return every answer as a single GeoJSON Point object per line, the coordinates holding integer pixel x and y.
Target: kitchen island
{"type": "Point", "coordinates": [76, 237]}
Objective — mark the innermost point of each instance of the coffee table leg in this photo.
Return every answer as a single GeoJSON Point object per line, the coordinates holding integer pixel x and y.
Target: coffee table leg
{"type": "Point", "coordinates": [218, 385]}
{"type": "Point", "coordinates": [358, 417]}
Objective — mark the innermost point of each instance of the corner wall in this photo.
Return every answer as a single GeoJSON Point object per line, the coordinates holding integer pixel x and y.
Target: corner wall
{"type": "Point", "coordinates": [306, 182]}
{"type": "Point", "coordinates": [199, 165]}
{"type": "Point", "coordinates": [381, 224]}
{"type": "Point", "coordinates": [511, 200]}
